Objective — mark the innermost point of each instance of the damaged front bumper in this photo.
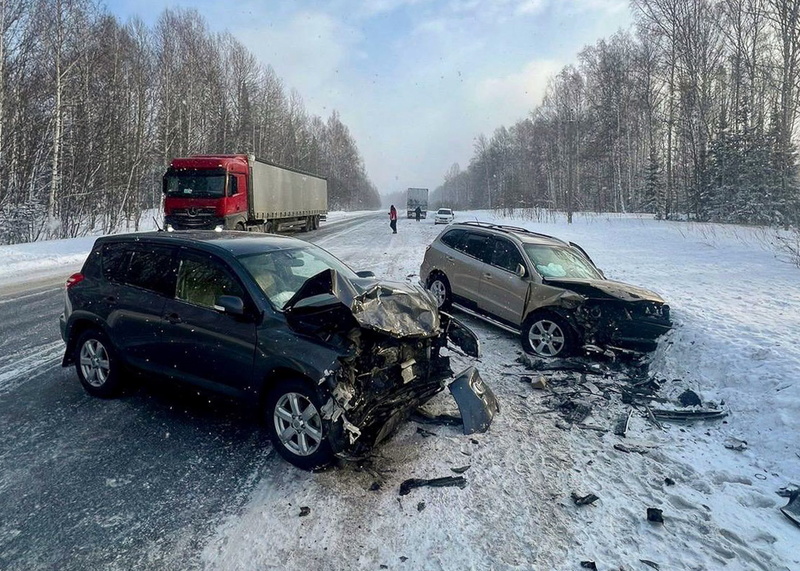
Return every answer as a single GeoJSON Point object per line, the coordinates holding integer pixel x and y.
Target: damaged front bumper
{"type": "Point", "coordinates": [391, 336]}
{"type": "Point", "coordinates": [630, 326]}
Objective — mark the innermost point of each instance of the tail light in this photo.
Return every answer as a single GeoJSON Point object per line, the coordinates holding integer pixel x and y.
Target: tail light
{"type": "Point", "coordinates": [74, 279]}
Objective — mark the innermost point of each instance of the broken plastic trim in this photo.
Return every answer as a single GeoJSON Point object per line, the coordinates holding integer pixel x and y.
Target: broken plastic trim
{"type": "Point", "coordinates": [475, 401]}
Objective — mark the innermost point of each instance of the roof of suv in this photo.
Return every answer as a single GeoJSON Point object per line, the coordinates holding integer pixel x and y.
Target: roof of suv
{"type": "Point", "coordinates": [237, 243]}
{"type": "Point", "coordinates": [522, 234]}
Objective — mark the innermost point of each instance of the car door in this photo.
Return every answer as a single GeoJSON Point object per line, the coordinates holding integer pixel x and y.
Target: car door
{"type": "Point", "coordinates": [138, 279]}
{"type": "Point", "coordinates": [471, 258]}
{"type": "Point", "coordinates": [205, 345]}
{"type": "Point", "coordinates": [504, 291]}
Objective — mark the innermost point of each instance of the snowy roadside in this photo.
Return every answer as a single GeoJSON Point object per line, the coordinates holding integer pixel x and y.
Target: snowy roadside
{"type": "Point", "coordinates": [736, 311]}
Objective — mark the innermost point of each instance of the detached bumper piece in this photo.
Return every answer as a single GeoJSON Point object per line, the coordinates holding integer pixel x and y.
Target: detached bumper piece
{"type": "Point", "coordinates": [475, 401]}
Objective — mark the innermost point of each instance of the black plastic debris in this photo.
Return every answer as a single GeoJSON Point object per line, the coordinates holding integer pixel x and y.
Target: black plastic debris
{"type": "Point", "coordinates": [689, 398]}
{"type": "Point", "coordinates": [629, 449]}
{"type": "Point", "coordinates": [423, 417]}
{"type": "Point", "coordinates": [589, 565]}
{"type": "Point", "coordinates": [447, 481]}
{"type": "Point", "coordinates": [403, 558]}
{"type": "Point", "coordinates": [682, 415]}
{"type": "Point", "coordinates": [655, 515]}
{"type": "Point", "coordinates": [424, 433]}
{"type": "Point", "coordinates": [420, 506]}
{"type": "Point", "coordinates": [649, 563]}
{"type": "Point", "coordinates": [792, 509]}
{"type": "Point", "coordinates": [669, 481]}
{"type": "Point", "coordinates": [461, 469]}
{"type": "Point", "coordinates": [575, 412]}
{"type": "Point", "coordinates": [586, 500]}
{"type": "Point", "coordinates": [304, 511]}
{"type": "Point", "coordinates": [375, 487]}
{"type": "Point", "coordinates": [623, 422]}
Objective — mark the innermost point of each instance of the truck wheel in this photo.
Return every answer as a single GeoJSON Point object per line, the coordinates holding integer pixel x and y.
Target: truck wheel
{"type": "Point", "coordinates": [296, 428]}
{"type": "Point", "coordinates": [239, 227]}
{"type": "Point", "coordinates": [315, 222]}
{"type": "Point", "coordinates": [268, 227]}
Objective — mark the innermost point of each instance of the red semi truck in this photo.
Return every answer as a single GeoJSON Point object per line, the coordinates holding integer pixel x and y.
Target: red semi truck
{"type": "Point", "coordinates": [240, 192]}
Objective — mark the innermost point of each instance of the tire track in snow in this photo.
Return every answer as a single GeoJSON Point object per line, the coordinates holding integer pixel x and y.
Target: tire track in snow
{"type": "Point", "coordinates": [26, 364]}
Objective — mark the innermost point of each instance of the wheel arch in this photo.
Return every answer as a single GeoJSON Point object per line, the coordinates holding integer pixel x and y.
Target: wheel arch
{"type": "Point", "coordinates": [75, 328]}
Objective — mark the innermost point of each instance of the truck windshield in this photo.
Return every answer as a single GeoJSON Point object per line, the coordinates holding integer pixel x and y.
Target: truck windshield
{"type": "Point", "coordinates": [194, 184]}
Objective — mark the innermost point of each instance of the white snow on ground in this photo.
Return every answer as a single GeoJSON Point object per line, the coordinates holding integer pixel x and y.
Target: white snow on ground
{"type": "Point", "coordinates": [736, 309]}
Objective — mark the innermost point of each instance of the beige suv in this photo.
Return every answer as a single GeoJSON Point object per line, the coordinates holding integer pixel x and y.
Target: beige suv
{"type": "Point", "coordinates": [546, 289]}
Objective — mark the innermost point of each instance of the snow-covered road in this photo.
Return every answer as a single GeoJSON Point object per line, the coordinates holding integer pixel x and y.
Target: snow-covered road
{"type": "Point", "coordinates": [736, 310]}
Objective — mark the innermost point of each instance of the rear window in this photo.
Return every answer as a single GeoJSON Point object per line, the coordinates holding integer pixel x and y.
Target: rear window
{"type": "Point", "coordinates": [453, 238]}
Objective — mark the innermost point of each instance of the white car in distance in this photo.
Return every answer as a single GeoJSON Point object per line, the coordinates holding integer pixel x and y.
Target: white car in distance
{"type": "Point", "coordinates": [444, 216]}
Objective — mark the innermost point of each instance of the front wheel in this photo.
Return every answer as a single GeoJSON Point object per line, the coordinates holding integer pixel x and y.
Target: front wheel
{"type": "Point", "coordinates": [548, 335]}
{"type": "Point", "coordinates": [296, 427]}
{"type": "Point", "coordinates": [99, 370]}
{"type": "Point", "coordinates": [440, 288]}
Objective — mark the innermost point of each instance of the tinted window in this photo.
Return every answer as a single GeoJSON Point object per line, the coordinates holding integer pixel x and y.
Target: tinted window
{"type": "Point", "coordinates": [232, 185]}
{"type": "Point", "coordinates": [453, 238]}
{"type": "Point", "coordinates": [151, 269]}
{"type": "Point", "coordinates": [201, 280]}
{"type": "Point", "coordinates": [506, 255]}
{"type": "Point", "coordinates": [477, 245]}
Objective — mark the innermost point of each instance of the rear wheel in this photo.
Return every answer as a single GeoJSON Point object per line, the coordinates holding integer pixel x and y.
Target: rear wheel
{"type": "Point", "coordinates": [98, 368]}
{"type": "Point", "coordinates": [547, 334]}
{"type": "Point", "coordinates": [440, 288]}
{"type": "Point", "coordinates": [240, 227]}
{"type": "Point", "coordinates": [295, 425]}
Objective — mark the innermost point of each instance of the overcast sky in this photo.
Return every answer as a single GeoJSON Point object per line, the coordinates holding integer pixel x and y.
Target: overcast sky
{"type": "Point", "coordinates": [416, 81]}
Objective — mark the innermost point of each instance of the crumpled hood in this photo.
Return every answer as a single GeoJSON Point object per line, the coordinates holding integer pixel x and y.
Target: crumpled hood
{"type": "Point", "coordinates": [398, 309]}
{"type": "Point", "coordinates": [605, 289]}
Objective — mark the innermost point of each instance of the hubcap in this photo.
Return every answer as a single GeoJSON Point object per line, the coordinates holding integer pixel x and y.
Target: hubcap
{"type": "Point", "coordinates": [298, 424]}
{"type": "Point", "coordinates": [546, 338]}
{"type": "Point", "coordinates": [439, 291]}
{"type": "Point", "coordinates": [94, 363]}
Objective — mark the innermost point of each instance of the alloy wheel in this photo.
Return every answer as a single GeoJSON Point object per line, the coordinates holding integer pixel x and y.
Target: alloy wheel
{"type": "Point", "coordinates": [94, 363]}
{"type": "Point", "coordinates": [546, 338]}
{"type": "Point", "coordinates": [298, 424]}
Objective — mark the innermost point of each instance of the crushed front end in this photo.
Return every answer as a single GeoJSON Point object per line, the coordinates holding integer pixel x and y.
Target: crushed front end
{"type": "Point", "coordinates": [392, 337]}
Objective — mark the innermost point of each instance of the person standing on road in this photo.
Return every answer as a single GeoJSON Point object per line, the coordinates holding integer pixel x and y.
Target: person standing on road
{"type": "Point", "coordinates": [418, 212]}
{"type": "Point", "coordinates": [393, 219]}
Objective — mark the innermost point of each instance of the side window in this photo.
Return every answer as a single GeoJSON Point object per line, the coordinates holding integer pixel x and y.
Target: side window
{"type": "Point", "coordinates": [151, 268]}
{"type": "Point", "coordinates": [201, 280]}
{"type": "Point", "coordinates": [505, 255]}
{"type": "Point", "coordinates": [454, 239]}
{"type": "Point", "coordinates": [232, 185]}
{"type": "Point", "coordinates": [116, 259]}
{"type": "Point", "coordinates": [477, 245]}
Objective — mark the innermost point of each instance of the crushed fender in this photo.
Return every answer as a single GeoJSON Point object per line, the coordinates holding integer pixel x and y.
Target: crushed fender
{"type": "Point", "coordinates": [475, 400]}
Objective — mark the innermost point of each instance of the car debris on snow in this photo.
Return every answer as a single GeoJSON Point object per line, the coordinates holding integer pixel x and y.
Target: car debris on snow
{"type": "Point", "coordinates": [447, 481]}
{"type": "Point", "coordinates": [686, 415]}
{"type": "Point", "coordinates": [589, 565]}
{"type": "Point", "coordinates": [304, 511]}
{"type": "Point", "coordinates": [461, 469]}
{"type": "Point", "coordinates": [649, 563]}
{"type": "Point", "coordinates": [655, 515]}
{"type": "Point", "coordinates": [586, 500]}
{"type": "Point", "coordinates": [792, 509]}
{"type": "Point", "coordinates": [735, 444]}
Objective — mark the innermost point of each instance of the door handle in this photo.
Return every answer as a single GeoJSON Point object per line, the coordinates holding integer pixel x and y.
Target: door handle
{"type": "Point", "coordinates": [174, 318]}
{"type": "Point", "coordinates": [487, 276]}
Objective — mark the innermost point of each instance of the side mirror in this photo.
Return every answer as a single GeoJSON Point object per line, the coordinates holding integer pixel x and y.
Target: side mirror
{"type": "Point", "coordinates": [520, 270]}
{"type": "Point", "coordinates": [230, 304]}
{"type": "Point", "coordinates": [365, 274]}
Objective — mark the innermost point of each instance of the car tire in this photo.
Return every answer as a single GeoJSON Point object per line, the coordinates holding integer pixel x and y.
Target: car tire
{"type": "Point", "coordinates": [99, 370]}
{"type": "Point", "coordinates": [439, 286]}
{"type": "Point", "coordinates": [547, 334]}
{"type": "Point", "coordinates": [293, 415]}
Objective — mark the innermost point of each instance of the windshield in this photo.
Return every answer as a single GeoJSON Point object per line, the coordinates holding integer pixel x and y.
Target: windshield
{"type": "Point", "coordinates": [444, 211]}
{"type": "Point", "coordinates": [195, 184]}
{"type": "Point", "coordinates": [281, 273]}
{"type": "Point", "coordinates": [556, 262]}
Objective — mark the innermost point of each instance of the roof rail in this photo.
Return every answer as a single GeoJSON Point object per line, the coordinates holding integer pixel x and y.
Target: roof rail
{"type": "Point", "coordinates": [508, 228]}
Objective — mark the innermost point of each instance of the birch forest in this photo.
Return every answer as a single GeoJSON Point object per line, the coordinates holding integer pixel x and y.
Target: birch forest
{"type": "Point", "coordinates": [92, 110]}
{"type": "Point", "coordinates": [690, 115]}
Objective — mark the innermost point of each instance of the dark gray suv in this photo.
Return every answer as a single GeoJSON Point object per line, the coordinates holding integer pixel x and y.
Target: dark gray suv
{"type": "Point", "coordinates": [547, 289]}
{"type": "Point", "coordinates": [335, 359]}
